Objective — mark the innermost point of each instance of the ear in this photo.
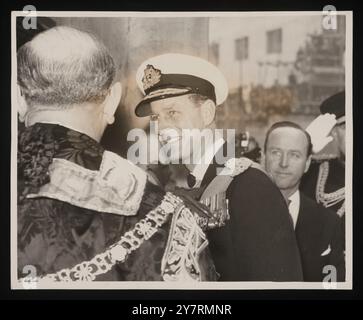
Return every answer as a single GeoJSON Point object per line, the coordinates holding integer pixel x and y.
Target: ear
{"type": "Point", "coordinates": [334, 133]}
{"type": "Point", "coordinates": [22, 105]}
{"type": "Point", "coordinates": [208, 109]}
{"type": "Point", "coordinates": [112, 101]}
{"type": "Point", "coordinates": [263, 159]}
{"type": "Point", "coordinates": [307, 164]}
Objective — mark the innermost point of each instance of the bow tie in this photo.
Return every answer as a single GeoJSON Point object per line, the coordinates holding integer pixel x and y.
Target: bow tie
{"type": "Point", "coordinates": [191, 180]}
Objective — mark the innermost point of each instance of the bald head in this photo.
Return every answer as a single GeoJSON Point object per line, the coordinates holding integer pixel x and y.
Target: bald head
{"type": "Point", "coordinates": [63, 67]}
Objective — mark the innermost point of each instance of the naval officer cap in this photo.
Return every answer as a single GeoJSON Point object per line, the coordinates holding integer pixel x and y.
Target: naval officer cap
{"type": "Point", "coordinates": [335, 104]}
{"type": "Point", "coordinates": [171, 75]}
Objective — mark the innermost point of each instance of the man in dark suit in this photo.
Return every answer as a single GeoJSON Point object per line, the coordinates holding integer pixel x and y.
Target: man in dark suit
{"type": "Point", "coordinates": [318, 231]}
{"type": "Point", "coordinates": [257, 242]}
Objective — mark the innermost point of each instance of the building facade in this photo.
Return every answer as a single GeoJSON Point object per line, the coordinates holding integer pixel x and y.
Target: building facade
{"type": "Point", "coordinates": [277, 67]}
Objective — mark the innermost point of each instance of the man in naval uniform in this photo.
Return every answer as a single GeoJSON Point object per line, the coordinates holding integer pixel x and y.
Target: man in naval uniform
{"type": "Point", "coordinates": [325, 180]}
{"type": "Point", "coordinates": [85, 213]}
{"type": "Point", "coordinates": [254, 238]}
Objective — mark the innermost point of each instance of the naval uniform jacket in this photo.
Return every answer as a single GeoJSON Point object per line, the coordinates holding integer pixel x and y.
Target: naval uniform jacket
{"type": "Point", "coordinates": [258, 242]}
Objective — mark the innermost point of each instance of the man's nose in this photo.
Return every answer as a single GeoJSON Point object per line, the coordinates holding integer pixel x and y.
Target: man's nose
{"type": "Point", "coordinates": [162, 125]}
{"type": "Point", "coordinates": [284, 161]}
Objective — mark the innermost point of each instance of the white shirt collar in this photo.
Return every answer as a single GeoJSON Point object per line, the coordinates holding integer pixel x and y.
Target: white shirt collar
{"type": "Point", "coordinates": [200, 169]}
{"type": "Point", "coordinates": [294, 206]}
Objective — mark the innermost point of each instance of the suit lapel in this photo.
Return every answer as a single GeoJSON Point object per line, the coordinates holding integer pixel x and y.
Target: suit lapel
{"type": "Point", "coordinates": [307, 226]}
{"type": "Point", "coordinates": [302, 212]}
{"type": "Point", "coordinates": [304, 217]}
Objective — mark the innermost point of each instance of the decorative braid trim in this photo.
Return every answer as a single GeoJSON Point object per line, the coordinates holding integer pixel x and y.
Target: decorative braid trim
{"type": "Point", "coordinates": [328, 199]}
{"type": "Point", "coordinates": [186, 241]}
{"type": "Point", "coordinates": [235, 166]}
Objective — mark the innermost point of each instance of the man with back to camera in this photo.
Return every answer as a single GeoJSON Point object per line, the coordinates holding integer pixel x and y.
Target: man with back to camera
{"type": "Point", "coordinates": [85, 213]}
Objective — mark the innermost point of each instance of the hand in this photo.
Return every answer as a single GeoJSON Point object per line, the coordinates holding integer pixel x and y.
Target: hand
{"type": "Point", "coordinates": [319, 130]}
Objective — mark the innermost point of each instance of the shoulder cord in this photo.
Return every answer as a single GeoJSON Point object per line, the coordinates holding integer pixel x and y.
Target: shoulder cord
{"type": "Point", "coordinates": [328, 199]}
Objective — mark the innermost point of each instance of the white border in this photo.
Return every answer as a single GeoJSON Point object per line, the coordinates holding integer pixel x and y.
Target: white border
{"type": "Point", "coordinates": [137, 285]}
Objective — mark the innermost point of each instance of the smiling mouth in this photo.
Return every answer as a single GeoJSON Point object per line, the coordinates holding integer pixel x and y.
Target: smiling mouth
{"type": "Point", "coordinates": [170, 140]}
{"type": "Point", "coordinates": [283, 173]}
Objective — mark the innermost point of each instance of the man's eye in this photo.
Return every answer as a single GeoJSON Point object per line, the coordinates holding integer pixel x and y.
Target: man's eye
{"type": "Point", "coordinates": [172, 113]}
{"type": "Point", "coordinates": [295, 155]}
{"type": "Point", "coordinates": [275, 152]}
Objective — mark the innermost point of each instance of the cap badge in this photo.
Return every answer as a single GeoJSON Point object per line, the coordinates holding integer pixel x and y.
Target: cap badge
{"type": "Point", "coordinates": [151, 76]}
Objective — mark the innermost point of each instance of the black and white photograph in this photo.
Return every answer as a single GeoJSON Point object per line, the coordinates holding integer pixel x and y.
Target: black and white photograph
{"type": "Point", "coordinates": [181, 150]}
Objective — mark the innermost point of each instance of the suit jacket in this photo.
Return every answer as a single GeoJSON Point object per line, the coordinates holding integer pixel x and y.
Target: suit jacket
{"type": "Point", "coordinates": [319, 236]}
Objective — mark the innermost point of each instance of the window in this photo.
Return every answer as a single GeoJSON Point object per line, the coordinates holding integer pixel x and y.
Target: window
{"type": "Point", "coordinates": [274, 41]}
{"type": "Point", "coordinates": [241, 48]}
